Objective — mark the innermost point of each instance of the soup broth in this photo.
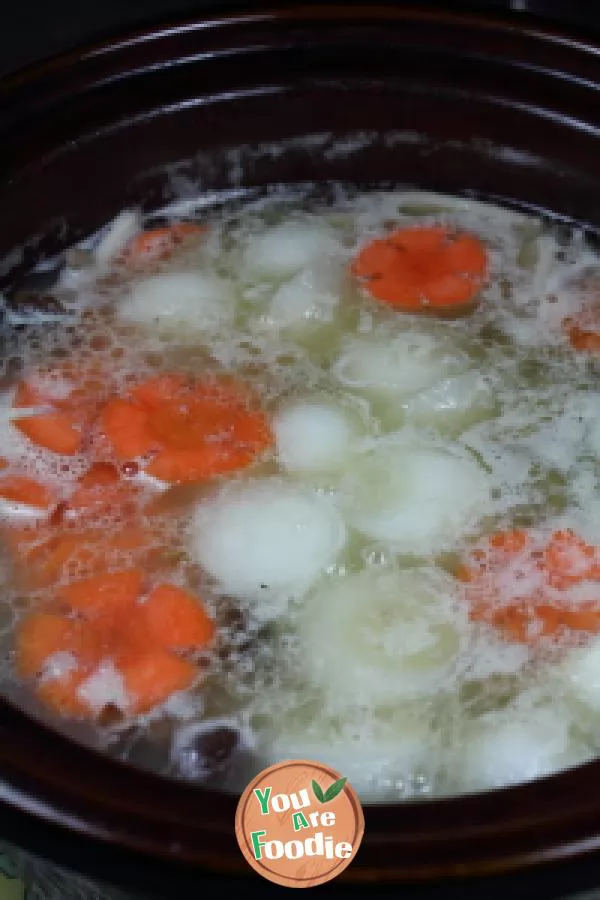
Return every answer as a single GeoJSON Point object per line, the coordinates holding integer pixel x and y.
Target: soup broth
{"type": "Point", "coordinates": [307, 480]}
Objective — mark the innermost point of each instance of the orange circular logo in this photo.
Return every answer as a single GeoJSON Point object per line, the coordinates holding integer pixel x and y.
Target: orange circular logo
{"type": "Point", "coordinates": [299, 823]}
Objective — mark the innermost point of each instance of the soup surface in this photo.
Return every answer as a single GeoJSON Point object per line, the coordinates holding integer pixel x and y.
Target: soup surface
{"type": "Point", "coordinates": [314, 481]}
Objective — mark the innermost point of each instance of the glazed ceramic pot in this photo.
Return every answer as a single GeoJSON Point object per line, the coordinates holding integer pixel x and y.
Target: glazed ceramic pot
{"type": "Point", "coordinates": [364, 95]}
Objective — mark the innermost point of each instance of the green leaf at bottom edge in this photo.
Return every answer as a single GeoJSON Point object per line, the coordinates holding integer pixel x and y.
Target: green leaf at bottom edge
{"type": "Point", "coordinates": [318, 792]}
{"type": "Point", "coordinates": [334, 789]}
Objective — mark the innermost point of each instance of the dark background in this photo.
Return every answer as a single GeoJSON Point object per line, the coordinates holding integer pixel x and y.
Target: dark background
{"type": "Point", "coordinates": [34, 29]}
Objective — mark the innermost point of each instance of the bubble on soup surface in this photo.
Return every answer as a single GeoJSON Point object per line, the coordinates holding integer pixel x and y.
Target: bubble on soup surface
{"type": "Point", "coordinates": [266, 540]}
{"type": "Point", "coordinates": [203, 750]}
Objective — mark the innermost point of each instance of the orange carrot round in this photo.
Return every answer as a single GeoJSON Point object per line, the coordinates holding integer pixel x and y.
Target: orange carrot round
{"type": "Point", "coordinates": [102, 490]}
{"type": "Point", "coordinates": [423, 269]}
{"type": "Point", "coordinates": [583, 330]}
{"type": "Point", "coordinates": [57, 432]}
{"type": "Point", "coordinates": [43, 557]}
{"type": "Point", "coordinates": [157, 244]}
{"type": "Point", "coordinates": [568, 560]}
{"type": "Point", "coordinates": [193, 430]}
{"type": "Point", "coordinates": [125, 425]}
{"type": "Point", "coordinates": [61, 429]}
{"type": "Point", "coordinates": [105, 595]}
{"type": "Point", "coordinates": [21, 489]}
{"type": "Point", "coordinates": [43, 634]}
{"type": "Point", "coordinates": [520, 585]}
{"type": "Point", "coordinates": [175, 619]}
{"type": "Point", "coordinates": [61, 695]}
{"type": "Point", "coordinates": [151, 676]}
{"type": "Point", "coordinates": [140, 639]}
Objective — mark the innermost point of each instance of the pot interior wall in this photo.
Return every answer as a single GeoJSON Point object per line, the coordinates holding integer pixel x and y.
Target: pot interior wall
{"type": "Point", "coordinates": [458, 107]}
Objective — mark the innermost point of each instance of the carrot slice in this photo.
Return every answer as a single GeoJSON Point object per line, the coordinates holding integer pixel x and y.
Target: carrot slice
{"type": "Point", "coordinates": [61, 695]}
{"type": "Point", "coordinates": [536, 576]}
{"type": "Point", "coordinates": [156, 391]}
{"type": "Point", "coordinates": [514, 541]}
{"type": "Point", "coordinates": [568, 559]}
{"type": "Point", "coordinates": [20, 540]}
{"type": "Point", "coordinates": [196, 429]}
{"type": "Point", "coordinates": [28, 397]}
{"type": "Point", "coordinates": [104, 595]}
{"type": "Point", "coordinates": [99, 474]}
{"type": "Point", "coordinates": [20, 489]}
{"type": "Point", "coordinates": [584, 339]}
{"type": "Point", "coordinates": [157, 244]}
{"type": "Point", "coordinates": [187, 466]}
{"type": "Point", "coordinates": [101, 490]}
{"type": "Point", "coordinates": [3, 463]}
{"type": "Point", "coordinates": [423, 269]}
{"type": "Point", "coordinates": [57, 432]}
{"type": "Point", "coordinates": [175, 619]}
{"type": "Point", "coordinates": [125, 425]}
{"type": "Point", "coordinates": [523, 623]}
{"type": "Point", "coordinates": [583, 329]}
{"type": "Point", "coordinates": [152, 676]}
{"type": "Point", "coordinates": [528, 624]}
{"type": "Point", "coordinates": [80, 554]}
{"type": "Point", "coordinates": [71, 397]}
{"type": "Point", "coordinates": [47, 562]}
{"type": "Point", "coordinates": [43, 634]}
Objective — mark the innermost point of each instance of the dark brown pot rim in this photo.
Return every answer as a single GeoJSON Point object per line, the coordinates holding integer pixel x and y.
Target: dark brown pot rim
{"type": "Point", "coordinates": [60, 783]}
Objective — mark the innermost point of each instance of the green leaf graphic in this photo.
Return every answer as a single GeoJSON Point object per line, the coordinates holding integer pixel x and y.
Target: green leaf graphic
{"type": "Point", "coordinates": [334, 789]}
{"type": "Point", "coordinates": [318, 792]}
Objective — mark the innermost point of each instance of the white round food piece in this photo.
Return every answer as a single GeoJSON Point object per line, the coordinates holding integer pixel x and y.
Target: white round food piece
{"type": "Point", "coordinates": [399, 366]}
{"type": "Point", "coordinates": [313, 436]}
{"type": "Point", "coordinates": [307, 300]}
{"type": "Point", "coordinates": [378, 767]}
{"type": "Point", "coordinates": [453, 404]}
{"type": "Point", "coordinates": [512, 746]}
{"type": "Point", "coordinates": [418, 497]}
{"type": "Point", "coordinates": [580, 673]}
{"type": "Point", "coordinates": [377, 637]}
{"type": "Point", "coordinates": [187, 302]}
{"type": "Point", "coordinates": [285, 249]}
{"type": "Point", "coordinates": [267, 540]}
